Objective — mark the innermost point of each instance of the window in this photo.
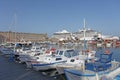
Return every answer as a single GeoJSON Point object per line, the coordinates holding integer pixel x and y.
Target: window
{"type": "Point", "coordinates": [61, 53]}
{"type": "Point", "coordinates": [70, 53]}
{"type": "Point", "coordinates": [58, 59]}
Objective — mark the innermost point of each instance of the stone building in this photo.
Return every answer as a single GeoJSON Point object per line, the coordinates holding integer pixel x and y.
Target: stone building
{"type": "Point", "coordinates": [21, 37]}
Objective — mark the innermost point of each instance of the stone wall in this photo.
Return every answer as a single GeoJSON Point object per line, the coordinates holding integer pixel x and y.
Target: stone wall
{"type": "Point", "coordinates": [20, 37]}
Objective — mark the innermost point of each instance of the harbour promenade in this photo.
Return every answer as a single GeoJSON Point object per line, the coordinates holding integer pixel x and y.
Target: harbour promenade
{"type": "Point", "coordinates": [10, 70]}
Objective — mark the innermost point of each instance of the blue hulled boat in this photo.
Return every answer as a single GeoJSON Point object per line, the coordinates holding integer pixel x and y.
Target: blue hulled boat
{"type": "Point", "coordinates": [102, 69]}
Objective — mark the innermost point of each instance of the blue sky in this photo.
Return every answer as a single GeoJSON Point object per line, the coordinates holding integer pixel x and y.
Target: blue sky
{"type": "Point", "coordinates": [48, 16]}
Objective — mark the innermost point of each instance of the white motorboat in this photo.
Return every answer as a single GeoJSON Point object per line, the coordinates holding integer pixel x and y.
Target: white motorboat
{"type": "Point", "coordinates": [27, 55]}
{"type": "Point", "coordinates": [76, 62]}
{"type": "Point", "coordinates": [86, 55]}
{"type": "Point", "coordinates": [50, 61]}
{"type": "Point", "coordinates": [7, 51]}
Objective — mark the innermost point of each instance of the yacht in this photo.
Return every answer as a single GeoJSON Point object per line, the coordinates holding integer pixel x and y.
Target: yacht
{"type": "Point", "coordinates": [48, 62]}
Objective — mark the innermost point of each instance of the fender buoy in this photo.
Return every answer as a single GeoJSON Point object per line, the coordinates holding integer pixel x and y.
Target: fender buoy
{"type": "Point", "coordinates": [34, 62]}
{"type": "Point", "coordinates": [107, 52]}
{"type": "Point", "coordinates": [48, 51]}
{"type": "Point", "coordinates": [52, 49]}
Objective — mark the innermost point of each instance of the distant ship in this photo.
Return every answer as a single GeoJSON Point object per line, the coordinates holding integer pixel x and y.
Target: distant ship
{"type": "Point", "coordinates": [64, 34]}
{"type": "Point", "coordinates": [89, 35]}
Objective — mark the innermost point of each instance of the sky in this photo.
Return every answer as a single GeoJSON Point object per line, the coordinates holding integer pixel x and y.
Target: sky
{"type": "Point", "coordinates": [49, 16]}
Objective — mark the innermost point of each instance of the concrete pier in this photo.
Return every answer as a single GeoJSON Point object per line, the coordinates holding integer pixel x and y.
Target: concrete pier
{"type": "Point", "coordinates": [10, 70]}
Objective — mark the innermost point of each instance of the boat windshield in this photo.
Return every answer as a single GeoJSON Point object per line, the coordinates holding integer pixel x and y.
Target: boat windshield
{"type": "Point", "coordinates": [70, 53]}
{"type": "Point", "coordinates": [24, 49]}
{"type": "Point", "coordinates": [61, 53]}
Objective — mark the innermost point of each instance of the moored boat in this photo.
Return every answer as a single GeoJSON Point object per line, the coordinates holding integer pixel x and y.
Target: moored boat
{"type": "Point", "coordinates": [104, 68]}
{"type": "Point", "coordinates": [50, 61]}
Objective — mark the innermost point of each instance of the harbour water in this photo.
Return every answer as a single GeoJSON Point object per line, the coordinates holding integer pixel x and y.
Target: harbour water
{"type": "Point", "coordinates": [11, 70]}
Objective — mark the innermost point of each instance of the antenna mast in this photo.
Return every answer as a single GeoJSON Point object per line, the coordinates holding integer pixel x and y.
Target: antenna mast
{"type": "Point", "coordinates": [15, 26]}
{"type": "Point", "coordinates": [84, 28]}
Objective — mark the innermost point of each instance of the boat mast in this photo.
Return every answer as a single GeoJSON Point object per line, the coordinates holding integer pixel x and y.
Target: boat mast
{"type": "Point", "coordinates": [84, 35]}
{"type": "Point", "coordinates": [84, 44]}
{"type": "Point", "coordinates": [15, 27]}
{"type": "Point", "coordinates": [84, 28]}
{"type": "Point", "coordinates": [9, 34]}
{"type": "Point", "coordinates": [15, 41]}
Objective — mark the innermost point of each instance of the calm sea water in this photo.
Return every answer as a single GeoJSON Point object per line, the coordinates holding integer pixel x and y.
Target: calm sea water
{"type": "Point", "coordinates": [15, 71]}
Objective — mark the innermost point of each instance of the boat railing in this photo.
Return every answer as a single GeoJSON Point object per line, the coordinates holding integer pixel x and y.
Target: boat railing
{"type": "Point", "coordinates": [114, 65]}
